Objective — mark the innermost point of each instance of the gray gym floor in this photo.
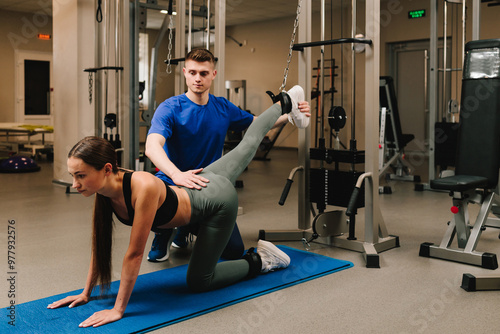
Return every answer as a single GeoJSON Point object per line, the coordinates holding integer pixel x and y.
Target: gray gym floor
{"type": "Point", "coordinates": [408, 294]}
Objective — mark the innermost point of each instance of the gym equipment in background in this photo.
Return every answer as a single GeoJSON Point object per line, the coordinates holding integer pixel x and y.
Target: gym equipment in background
{"type": "Point", "coordinates": [476, 178]}
{"type": "Point", "coordinates": [104, 19]}
{"type": "Point", "coordinates": [332, 185]}
{"type": "Point", "coordinates": [18, 164]}
{"type": "Point", "coordinates": [392, 139]}
{"type": "Point", "coordinates": [441, 105]}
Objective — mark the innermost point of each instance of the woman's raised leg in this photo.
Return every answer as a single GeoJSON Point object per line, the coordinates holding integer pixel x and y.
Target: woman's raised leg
{"type": "Point", "coordinates": [234, 163]}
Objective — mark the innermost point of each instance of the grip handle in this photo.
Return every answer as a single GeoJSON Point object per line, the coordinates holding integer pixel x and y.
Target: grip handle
{"type": "Point", "coordinates": [351, 207]}
{"type": "Point", "coordinates": [284, 194]}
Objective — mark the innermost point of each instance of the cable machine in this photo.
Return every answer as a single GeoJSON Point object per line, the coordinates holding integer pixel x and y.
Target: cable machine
{"type": "Point", "coordinates": [435, 109]}
{"type": "Point", "coordinates": [325, 186]}
{"type": "Point", "coordinates": [449, 107]}
{"type": "Point", "coordinates": [99, 75]}
{"type": "Point", "coordinates": [176, 30]}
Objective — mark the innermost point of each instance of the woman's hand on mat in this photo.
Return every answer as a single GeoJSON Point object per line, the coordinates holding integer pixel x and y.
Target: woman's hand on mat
{"type": "Point", "coordinates": [71, 301]}
{"type": "Point", "coordinates": [102, 318]}
{"type": "Point", "coordinates": [190, 179]}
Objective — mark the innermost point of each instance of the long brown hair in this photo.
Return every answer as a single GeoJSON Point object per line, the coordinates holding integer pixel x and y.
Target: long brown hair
{"type": "Point", "coordinates": [97, 152]}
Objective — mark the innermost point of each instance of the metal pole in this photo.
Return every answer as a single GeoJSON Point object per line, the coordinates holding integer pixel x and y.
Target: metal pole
{"type": "Point", "coordinates": [442, 112]}
{"type": "Point", "coordinates": [219, 46]}
{"type": "Point", "coordinates": [426, 83]}
{"type": "Point", "coordinates": [97, 81]}
{"type": "Point", "coordinates": [476, 19]}
{"type": "Point", "coordinates": [322, 70]}
{"type": "Point", "coordinates": [463, 33]}
{"type": "Point", "coordinates": [180, 45]}
{"type": "Point", "coordinates": [373, 215]}
{"type": "Point", "coordinates": [353, 79]}
{"type": "Point", "coordinates": [117, 60]}
{"type": "Point", "coordinates": [433, 79]}
{"type": "Point", "coordinates": [106, 57]}
{"type": "Point", "coordinates": [131, 136]}
{"type": "Point", "coordinates": [304, 143]}
{"type": "Point", "coordinates": [208, 25]}
{"type": "Point", "coordinates": [190, 24]}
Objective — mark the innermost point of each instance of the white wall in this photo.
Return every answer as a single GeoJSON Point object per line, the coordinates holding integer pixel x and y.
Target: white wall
{"type": "Point", "coordinates": [72, 52]}
{"type": "Point", "coordinates": [19, 32]}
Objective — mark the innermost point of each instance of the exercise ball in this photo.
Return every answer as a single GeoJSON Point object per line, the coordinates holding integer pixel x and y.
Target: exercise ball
{"type": "Point", "coordinates": [19, 164]}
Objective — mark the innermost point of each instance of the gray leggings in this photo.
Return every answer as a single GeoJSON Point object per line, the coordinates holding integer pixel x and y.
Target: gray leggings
{"type": "Point", "coordinates": [215, 208]}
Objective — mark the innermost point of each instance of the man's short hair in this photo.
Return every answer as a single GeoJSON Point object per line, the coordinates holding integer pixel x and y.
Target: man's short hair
{"type": "Point", "coordinates": [200, 56]}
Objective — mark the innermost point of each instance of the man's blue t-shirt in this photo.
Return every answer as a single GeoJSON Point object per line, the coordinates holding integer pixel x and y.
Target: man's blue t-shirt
{"type": "Point", "coordinates": [195, 133]}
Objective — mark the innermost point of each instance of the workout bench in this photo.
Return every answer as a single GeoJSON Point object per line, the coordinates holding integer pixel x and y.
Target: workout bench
{"type": "Point", "coordinates": [477, 159]}
{"type": "Point", "coordinates": [394, 140]}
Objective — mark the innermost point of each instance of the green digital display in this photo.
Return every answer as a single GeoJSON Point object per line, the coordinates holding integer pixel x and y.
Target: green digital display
{"type": "Point", "coordinates": [415, 14]}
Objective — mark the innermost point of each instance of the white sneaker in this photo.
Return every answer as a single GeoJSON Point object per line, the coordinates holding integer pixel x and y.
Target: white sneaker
{"type": "Point", "coordinates": [296, 117]}
{"type": "Point", "coordinates": [272, 257]}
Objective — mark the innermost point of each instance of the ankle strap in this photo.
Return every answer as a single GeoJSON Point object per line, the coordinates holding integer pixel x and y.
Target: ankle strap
{"type": "Point", "coordinates": [254, 261]}
{"type": "Point", "coordinates": [284, 99]}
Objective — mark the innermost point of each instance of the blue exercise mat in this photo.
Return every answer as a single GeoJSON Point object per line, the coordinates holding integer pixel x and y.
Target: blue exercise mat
{"type": "Point", "coordinates": [162, 298]}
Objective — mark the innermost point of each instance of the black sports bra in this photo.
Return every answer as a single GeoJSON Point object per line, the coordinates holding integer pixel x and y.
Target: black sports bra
{"type": "Point", "coordinates": [165, 212]}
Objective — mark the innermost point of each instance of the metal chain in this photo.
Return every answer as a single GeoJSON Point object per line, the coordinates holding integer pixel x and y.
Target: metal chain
{"type": "Point", "coordinates": [91, 81]}
{"type": "Point", "coordinates": [289, 59]}
{"type": "Point", "coordinates": [169, 56]}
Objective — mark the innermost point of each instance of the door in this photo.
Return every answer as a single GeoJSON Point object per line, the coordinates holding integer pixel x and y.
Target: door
{"type": "Point", "coordinates": [410, 91]}
{"type": "Point", "coordinates": [34, 89]}
{"type": "Point", "coordinates": [410, 70]}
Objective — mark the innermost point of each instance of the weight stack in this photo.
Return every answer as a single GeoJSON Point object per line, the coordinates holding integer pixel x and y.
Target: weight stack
{"type": "Point", "coordinates": [334, 187]}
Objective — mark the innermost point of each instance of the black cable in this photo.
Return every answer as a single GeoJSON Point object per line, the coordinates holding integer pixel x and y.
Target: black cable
{"type": "Point", "coordinates": [341, 54]}
{"type": "Point", "coordinates": [170, 10]}
{"type": "Point", "coordinates": [332, 68]}
{"type": "Point", "coordinates": [98, 14]}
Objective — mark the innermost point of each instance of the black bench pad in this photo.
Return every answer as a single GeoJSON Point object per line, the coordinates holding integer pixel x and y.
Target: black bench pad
{"type": "Point", "coordinates": [459, 183]}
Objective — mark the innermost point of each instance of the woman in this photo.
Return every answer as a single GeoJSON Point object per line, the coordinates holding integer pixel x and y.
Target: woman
{"type": "Point", "coordinates": [146, 203]}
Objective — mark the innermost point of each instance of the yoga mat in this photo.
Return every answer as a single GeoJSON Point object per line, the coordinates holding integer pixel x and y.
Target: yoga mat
{"type": "Point", "coordinates": [162, 298]}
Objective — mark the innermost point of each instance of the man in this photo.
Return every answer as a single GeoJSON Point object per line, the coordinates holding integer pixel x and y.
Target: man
{"type": "Point", "coordinates": [188, 132]}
